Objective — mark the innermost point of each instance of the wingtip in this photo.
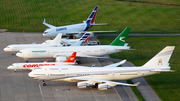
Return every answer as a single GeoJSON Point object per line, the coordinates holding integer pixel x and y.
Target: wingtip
{"type": "Point", "coordinates": [44, 21]}
{"type": "Point", "coordinates": [118, 28]}
{"type": "Point", "coordinates": [136, 84]}
{"type": "Point", "coordinates": [123, 61]}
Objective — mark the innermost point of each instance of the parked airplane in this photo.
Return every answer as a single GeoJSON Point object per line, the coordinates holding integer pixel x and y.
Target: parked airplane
{"type": "Point", "coordinates": [35, 65]}
{"type": "Point", "coordinates": [60, 53]}
{"type": "Point", "coordinates": [77, 29]}
{"type": "Point", "coordinates": [66, 41]}
{"type": "Point", "coordinates": [18, 47]}
{"type": "Point", "coordinates": [102, 77]}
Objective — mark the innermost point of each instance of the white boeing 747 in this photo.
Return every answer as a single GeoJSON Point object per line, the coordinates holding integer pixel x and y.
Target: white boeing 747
{"type": "Point", "coordinates": [60, 53]}
{"type": "Point", "coordinates": [74, 29]}
{"type": "Point", "coordinates": [35, 65]}
{"type": "Point", "coordinates": [18, 47]}
{"type": "Point", "coordinates": [103, 77]}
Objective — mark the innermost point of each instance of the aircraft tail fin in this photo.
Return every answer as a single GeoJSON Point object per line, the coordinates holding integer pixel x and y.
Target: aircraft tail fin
{"type": "Point", "coordinates": [161, 59]}
{"type": "Point", "coordinates": [91, 19]}
{"type": "Point", "coordinates": [57, 39]}
{"type": "Point", "coordinates": [85, 37]}
{"type": "Point", "coordinates": [71, 59]}
{"type": "Point", "coordinates": [121, 39]}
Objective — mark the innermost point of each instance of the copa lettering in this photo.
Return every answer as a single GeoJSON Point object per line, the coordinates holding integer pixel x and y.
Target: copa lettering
{"type": "Point", "coordinates": [36, 65]}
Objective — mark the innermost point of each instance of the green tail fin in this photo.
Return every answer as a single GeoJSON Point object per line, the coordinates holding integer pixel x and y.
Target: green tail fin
{"type": "Point", "coordinates": [121, 39]}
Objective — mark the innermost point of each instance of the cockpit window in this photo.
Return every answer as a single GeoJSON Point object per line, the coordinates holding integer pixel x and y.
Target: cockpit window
{"type": "Point", "coordinates": [45, 32]}
{"type": "Point", "coordinates": [12, 65]}
{"type": "Point", "coordinates": [19, 52]}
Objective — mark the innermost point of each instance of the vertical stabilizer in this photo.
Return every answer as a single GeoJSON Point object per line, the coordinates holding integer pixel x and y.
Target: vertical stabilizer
{"type": "Point", "coordinates": [121, 39]}
{"type": "Point", "coordinates": [91, 19]}
{"type": "Point", "coordinates": [71, 59]}
{"type": "Point", "coordinates": [85, 37]}
{"type": "Point", "coordinates": [160, 59]}
{"type": "Point", "coordinates": [57, 39]}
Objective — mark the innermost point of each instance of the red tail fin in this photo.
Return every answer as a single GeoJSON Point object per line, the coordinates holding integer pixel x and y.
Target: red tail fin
{"type": "Point", "coordinates": [47, 60]}
{"type": "Point", "coordinates": [71, 59]}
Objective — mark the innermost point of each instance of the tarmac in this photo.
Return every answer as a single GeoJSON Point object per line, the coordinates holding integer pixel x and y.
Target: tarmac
{"type": "Point", "coordinates": [18, 86]}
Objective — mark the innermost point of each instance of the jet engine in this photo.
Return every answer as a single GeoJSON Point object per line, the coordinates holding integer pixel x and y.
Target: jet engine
{"type": "Point", "coordinates": [77, 36]}
{"type": "Point", "coordinates": [61, 58]}
{"type": "Point", "coordinates": [103, 86]}
{"type": "Point", "coordinates": [83, 84]}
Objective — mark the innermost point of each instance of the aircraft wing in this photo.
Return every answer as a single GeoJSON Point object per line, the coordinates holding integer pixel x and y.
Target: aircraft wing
{"type": "Point", "coordinates": [110, 83]}
{"type": "Point", "coordinates": [50, 26]}
{"type": "Point", "coordinates": [115, 64]}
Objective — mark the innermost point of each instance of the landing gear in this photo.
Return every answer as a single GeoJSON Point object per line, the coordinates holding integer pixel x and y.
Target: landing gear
{"type": "Point", "coordinates": [95, 86]}
{"type": "Point", "coordinates": [13, 53]}
{"type": "Point", "coordinates": [44, 83]}
{"type": "Point", "coordinates": [14, 70]}
{"type": "Point", "coordinates": [26, 61]}
{"type": "Point", "coordinates": [78, 62]}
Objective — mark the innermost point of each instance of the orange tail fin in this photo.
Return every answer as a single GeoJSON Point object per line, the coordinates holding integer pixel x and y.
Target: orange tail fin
{"type": "Point", "coordinates": [71, 59]}
{"type": "Point", "coordinates": [47, 60]}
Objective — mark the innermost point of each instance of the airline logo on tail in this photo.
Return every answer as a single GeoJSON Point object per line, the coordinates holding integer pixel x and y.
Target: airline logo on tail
{"type": "Point", "coordinates": [160, 61]}
{"type": "Point", "coordinates": [121, 39]}
{"type": "Point", "coordinates": [85, 37]}
{"type": "Point", "coordinates": [71, 59]}
{"type": "Point", "coordinates": [91, 18]}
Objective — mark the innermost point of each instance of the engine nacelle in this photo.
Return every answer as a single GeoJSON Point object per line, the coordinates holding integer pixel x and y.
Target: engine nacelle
{"type": "Point", "coordinates": [61, 58]}
{"type": "Point", "coordinates": [77, 36]}
{"type": "Point", "coordinates": [83, 84]}
{"type": "Point", "coordinates": [103, 86]}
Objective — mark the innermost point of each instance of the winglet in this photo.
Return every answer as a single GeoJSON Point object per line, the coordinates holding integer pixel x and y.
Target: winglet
{"type": "Point", "coordinates": [44, 21]}
{"type": "Point", "coordinates": [136, 84]}
{"type": "Point", "coordinates": [71, 59]}
{"type": "Point", "coordinates": [47, 60]}
{"type": "Point", "coordinates": [118, 28]}
{"type": "Point", "coordinates": [50, 26]}
{"type": "Point", "coordinates": [115, 64]}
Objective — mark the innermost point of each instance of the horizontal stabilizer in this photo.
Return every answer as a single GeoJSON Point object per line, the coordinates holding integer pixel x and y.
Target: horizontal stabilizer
{"type": "Point", "coordinates": [101, 24]}
{"type": "Point", "coordinates": [104, 31]}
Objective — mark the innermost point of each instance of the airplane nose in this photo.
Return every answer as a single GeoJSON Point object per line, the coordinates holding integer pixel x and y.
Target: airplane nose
{"type": "Point", "coordinates": [44, 34]}
{"type": "Point", "coordinates": [30, 74]}
{"type": "Point", "coordinates": [5, 49]}
{"type": "Point", "coordinates": [9, 67]}
{"type": "Point", "coordinates": [18, 54]}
